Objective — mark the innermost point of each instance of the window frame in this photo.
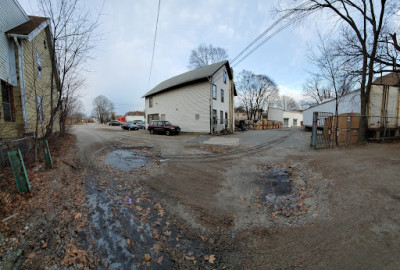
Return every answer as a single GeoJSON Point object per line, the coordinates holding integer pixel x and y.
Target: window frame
{"type": "Point", "coordinates": [39, 109]}
{"type": "Point", "coordinates": [38, 64]}
{"type": "Point", "coordinates": [221, 115]}
{"type": "Point", "coordinates": [222, 95]}
{"type": "Point", "coordinates": [224, 76]}
{"type": "Point", "coordinates": [150, 102]}
{"type": "Point", "coordinates": [8, 89]}
{"type": "Point", "coordinates": [214, 91]}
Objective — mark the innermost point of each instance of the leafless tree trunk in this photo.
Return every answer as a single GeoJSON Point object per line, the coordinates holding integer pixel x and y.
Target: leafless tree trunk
{"type": "Point", "coordinates": [256, 93]}
{"type": "Point", "coordinates": [365, 20]}
{"type": "Point", "coordinates": [73, 38]}
{"type": "Point", "coordinates": [206, 55]}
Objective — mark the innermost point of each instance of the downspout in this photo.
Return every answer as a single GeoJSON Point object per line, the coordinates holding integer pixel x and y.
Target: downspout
{"type": "Point", "coordinates": [22, 82]}
{"type": "Point", "coordinates": [211, 105]}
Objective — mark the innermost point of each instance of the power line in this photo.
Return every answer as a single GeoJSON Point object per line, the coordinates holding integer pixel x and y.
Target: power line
{"type": "Point", "coordinates": [270, 36]}
{"type": "Point", "coordinates": [154, 44]}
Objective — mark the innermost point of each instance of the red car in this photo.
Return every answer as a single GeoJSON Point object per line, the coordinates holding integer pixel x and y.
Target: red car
{"type": "Point", "coordinates": [163, 127]}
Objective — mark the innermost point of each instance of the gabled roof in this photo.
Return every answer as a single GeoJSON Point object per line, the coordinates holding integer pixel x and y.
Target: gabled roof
{"type": "Point", "coordinates": [391, 79]}
{"type": "Point", "coordinates": [30, 28]}
{"type": "Point", "coordinates": [188, 77]}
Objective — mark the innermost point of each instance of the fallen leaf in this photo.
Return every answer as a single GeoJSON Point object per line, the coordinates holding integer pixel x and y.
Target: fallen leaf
{"type": "Point", "coordinates": [159, 260]}
{"type": "Point", "coordinates": [128, 242]}
{"type": "Point", "coordinates": [147, 257]}
{"type": "Point", "coordinates": [44, 245]}
{"type": "Point", "coordinates": [31, 255]}
{"type": "Point", "coordinates": [211, 259]}
{"type": "Point", "coordinates": [78, 215]}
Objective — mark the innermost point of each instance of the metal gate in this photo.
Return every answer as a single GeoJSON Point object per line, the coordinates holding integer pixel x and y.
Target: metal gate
{"type": "Point", "coordinates": [323, 134]}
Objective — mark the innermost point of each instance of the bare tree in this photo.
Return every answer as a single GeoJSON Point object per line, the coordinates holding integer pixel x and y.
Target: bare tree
{"type": "Point", "coordinates": [73, 37]}
{"type": "Point", "coordinates": [365, 20]}
{"type": "Point", "coordinates": [103, 109]}
{"type": "Point", "coordinates": [256, 93]}
{"type": "Point", "coordinates": [287, 103]}
{"type": "Point", "coordinates": [206, 55]}
{"type": "Point", "coordinates": [316, 90]}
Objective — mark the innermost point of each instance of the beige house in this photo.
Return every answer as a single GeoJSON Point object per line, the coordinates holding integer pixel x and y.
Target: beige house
{"type": "Point", "coordinates": [200, 100]}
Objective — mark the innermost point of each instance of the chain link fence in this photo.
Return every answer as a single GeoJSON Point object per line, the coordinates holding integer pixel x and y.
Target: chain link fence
{"type": "Point", "coordinates": [25, 144]}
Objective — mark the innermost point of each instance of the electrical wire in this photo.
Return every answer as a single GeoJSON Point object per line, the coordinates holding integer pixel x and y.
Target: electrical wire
{"type": "Point", "coordinates": [270, 36]}
{"type": "Point", "coordinates": [154, 44]}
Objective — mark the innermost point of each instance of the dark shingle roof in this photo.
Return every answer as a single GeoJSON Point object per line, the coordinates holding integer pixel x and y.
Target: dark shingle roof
{"type": "Point", "coordinates": [391, 79]}
{"type": "Point", "coordinates": [27, 27]}
{"type": "Point", "coordinates": [187, 77]}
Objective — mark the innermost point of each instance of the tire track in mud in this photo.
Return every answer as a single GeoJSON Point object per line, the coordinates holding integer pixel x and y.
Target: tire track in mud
{"type": "Point", "coordinates": [242, 152]}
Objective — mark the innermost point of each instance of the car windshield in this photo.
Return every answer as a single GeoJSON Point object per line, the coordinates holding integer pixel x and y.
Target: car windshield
{"type": "Point", "coordinates": [166, 123]}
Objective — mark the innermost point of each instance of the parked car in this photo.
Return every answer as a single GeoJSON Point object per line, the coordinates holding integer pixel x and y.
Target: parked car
{"type": "Point", "coordinates": [129, 126]}
{"type": "Point", "coordinates": [140, 123]}
{"type": "Point", "coordinates": [114, 123]}
{"type": "Point", "coordinates": [163, 127]}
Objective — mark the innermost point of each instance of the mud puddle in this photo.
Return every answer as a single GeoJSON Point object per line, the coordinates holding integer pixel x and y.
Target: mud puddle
{"type": "Point", "coordinates": [278, 193]}
{"type": "Point", "coordinates": [126, 159]}
{"type": "Point", "coordinates": [131, 231]}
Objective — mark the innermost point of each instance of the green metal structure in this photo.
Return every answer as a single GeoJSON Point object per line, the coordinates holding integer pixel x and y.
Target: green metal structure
{"type": "Point", "coordinates": [20, 175]}
{"type": "Point", "coordinates": [46, 154]}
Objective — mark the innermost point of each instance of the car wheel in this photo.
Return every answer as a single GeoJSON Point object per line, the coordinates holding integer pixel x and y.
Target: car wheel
{"type": "Point", "coordinates": [167, 132]}
{"type": "Point", "coordinates": [151, 131]}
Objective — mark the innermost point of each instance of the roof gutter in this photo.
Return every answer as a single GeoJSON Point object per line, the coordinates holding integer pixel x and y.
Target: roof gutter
{"type": "Point", "coordinates": [22, 78]}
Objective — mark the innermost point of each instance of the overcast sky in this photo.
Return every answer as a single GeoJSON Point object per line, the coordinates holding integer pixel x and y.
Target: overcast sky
{"type": "Point", "coordinates": [121, 67]}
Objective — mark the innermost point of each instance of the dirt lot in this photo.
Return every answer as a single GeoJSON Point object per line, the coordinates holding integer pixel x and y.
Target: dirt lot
{"type": "Point", "coordinates": [259, 199]}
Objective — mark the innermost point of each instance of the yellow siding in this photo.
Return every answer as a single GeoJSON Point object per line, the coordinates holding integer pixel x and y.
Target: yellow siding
{"type": "Point", "coordinates": [38, 85]}
{"type": "Point", "coordinates": [34, 85]}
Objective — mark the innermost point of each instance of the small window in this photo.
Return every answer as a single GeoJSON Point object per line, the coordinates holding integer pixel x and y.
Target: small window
{"type": "Point", "coordinates": [150, 102]}
{"type": "Point", "coordinates": [222, 95]}
{"type": "Point", "coordinates": [197, 116]}
{"type": "Point", "coordinates": [214, 91]}
{"type": "Point", "coordinates": [224, 76]}
{"type": "Point", "coordinates": [7, 102]}
{"type": "Point", "coordinates": [221, 117]}
{"type": "Point", "coordinates": [44, 44]}
{"type": "Point", "coordinates": [39, 108]}
{"type": "Point", "coordinates": [38, 64]}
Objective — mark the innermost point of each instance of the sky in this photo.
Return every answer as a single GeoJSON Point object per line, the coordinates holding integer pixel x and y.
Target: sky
{"type": "Point", "coordinates": [122, 58]}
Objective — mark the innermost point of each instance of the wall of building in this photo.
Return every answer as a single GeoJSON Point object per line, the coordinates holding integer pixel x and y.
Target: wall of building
{"type": "Point", "coordinates": [38, 84]}
{"type": "Point", "coordinates": [275, 114]}
{"type": "Point", "coordinates": [349, 103]}
{"type": "Point", "coordinates": [217, 104]}
{"type": "Point", "coordinates": [293, 118]}
{"type": "Point", "coordinates": [180, 106]}
{"type": "Point", "coordinates": [130, 118]}
{"type": "Point", "coordinates": [11, 16]}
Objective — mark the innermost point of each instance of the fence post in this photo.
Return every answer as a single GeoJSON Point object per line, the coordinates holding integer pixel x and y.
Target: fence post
{"type": "Point", "coordinates": [348, 139]}
{"type": "Point", "coordinates": [314, 130]}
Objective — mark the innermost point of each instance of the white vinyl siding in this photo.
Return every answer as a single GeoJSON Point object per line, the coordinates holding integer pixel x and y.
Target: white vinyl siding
{"type": "Point", "coordinates": [218, 80]}
{"type": "Point", "coordinates": [182, 104]}
{"type": "Point", "coordinates": [11, 16]}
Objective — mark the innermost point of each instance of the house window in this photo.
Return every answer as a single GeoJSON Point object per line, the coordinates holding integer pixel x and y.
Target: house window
{"type": "Point", "coordinates": [38, 64]}
{"type": "Point", "coordinates": [215, 117]}
{"type": "Point", "coordinates": [7, 102]}
{"type": "Point", "coordinates": [222, 95]}
{"type": "Point", "coordinates": [214, 91]}
{"type": "Point", "coordinates": [224, 76]}
{"type": "Point", "coordinates": [197, 116]}
{"type": "Point", "coordinates": [39, 108]}
{"type": "Point", "coordinates": [150, 102]}
{"type": "Point", "coordinates": [221, 117]}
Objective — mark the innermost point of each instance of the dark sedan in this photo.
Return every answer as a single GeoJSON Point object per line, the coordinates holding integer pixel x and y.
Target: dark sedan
{"type": "Point", "coordinates": [130, 126]}
{"type": "Point", "coordinates": [114, 123]}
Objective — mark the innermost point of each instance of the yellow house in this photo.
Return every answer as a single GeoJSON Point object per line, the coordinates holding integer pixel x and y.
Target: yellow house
{"type": "Point", "coordinates": [26, 106]}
